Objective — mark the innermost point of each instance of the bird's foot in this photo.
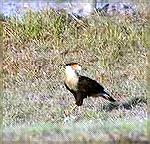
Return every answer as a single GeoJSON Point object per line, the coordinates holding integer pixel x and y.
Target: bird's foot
{"type": "Point", "coordinates": [66, 113]}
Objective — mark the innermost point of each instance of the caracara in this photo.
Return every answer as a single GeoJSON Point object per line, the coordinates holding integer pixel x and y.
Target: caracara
{"type": "Point", "coordinates": [82, 87]}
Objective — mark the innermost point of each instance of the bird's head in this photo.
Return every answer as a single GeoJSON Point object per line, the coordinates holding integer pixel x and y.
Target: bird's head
{"type": "Point", "coordinates": [72, 69]}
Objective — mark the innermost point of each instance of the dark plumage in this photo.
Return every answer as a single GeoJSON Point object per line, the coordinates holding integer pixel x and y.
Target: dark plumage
{"type": "Point", "coordinates": [82, 87]}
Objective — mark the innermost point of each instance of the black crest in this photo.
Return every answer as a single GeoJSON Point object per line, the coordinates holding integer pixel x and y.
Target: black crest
{"type": "Point", "coordinates": [73, 63]}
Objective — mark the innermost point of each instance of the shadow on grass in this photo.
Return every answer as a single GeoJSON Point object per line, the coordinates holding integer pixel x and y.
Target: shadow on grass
{"type": "Point", "coordinates": [126, 105]}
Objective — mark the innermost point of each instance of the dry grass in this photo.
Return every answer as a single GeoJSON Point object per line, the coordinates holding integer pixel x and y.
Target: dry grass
{"type": "Point", "coordinates": [112, 50]}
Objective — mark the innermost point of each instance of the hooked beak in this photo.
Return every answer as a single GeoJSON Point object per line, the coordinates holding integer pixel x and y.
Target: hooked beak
{"type": "Point", "coordinates": [79, 68]}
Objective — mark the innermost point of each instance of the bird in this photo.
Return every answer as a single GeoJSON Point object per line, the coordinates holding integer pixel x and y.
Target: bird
{"type": "Point", "coordinates": [81, 86]}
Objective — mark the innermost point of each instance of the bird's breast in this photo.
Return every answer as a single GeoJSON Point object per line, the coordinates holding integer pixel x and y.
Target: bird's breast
{"type": "Point", "coordinates": [72, 83]}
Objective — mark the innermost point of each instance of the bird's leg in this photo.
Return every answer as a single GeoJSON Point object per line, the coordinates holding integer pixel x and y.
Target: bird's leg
{"type": "Point", "coordinates": [67, 112]}
{"type": "Point", "coordinates": [79, 110]}
{"type": "Point", "coordinates": [73, 108]}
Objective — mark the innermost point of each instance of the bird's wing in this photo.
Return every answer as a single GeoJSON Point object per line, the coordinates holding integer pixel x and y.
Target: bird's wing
{"type": "Point", "coordinates": [87, 84]}
{"type": "Point", "coordinates": [93, 88]}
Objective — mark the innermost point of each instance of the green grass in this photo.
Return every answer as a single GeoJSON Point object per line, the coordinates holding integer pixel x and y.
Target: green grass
{"type": "Point", "coordinates": [111, 50]}
{"type": "Point", "coordinates": [84, 130]}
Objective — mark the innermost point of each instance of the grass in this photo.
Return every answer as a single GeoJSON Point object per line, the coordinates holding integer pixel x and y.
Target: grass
{"type": "Point", "coordinates": [83, 130]}
{"type": "Point", "coordinates": [112, 50]}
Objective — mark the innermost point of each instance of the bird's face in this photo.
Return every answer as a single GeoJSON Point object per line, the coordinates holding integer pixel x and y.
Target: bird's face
{"type": "Point", "coordinates": [72, 69]}
{"type": "Point", "coordinates": [76, 67]}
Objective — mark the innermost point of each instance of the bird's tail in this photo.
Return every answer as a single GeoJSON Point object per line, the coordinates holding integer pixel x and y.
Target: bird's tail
{"type": "Point", "coordinates": [108, 97]}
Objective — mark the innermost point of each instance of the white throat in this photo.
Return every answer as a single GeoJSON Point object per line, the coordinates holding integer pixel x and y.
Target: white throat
{"type": "Point", "coordinates": [70, 72]}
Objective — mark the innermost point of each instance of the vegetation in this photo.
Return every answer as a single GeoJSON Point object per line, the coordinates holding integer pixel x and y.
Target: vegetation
{"type": "Point", "coordinates": [112, 50]}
